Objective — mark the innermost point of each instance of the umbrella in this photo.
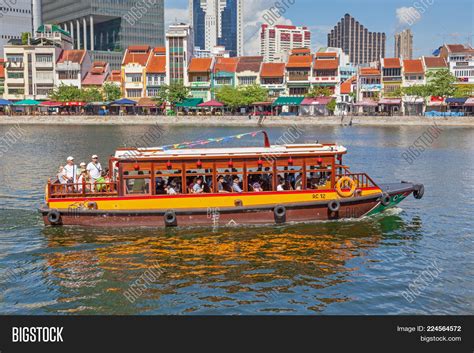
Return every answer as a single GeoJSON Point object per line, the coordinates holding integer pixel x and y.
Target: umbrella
{"type": "Point", "coordinates": [51, 104]}
{"type": "Point", "coordinates": [124, 101]}
{"type": "Point", "coordinates": [27, 103]}
{"type": "Point", "coordinates": [4, 102]}
{"type": "Point", "coordinates": [211, 104]}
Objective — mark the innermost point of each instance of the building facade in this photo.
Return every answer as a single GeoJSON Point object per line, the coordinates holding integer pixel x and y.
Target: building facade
{"type": "Point", "coordinates": [404, 45]}
{"type": "Point", "coordinates": [179, 51]}
{"type": "Point", "coordinates": [276, 42]}
{"type": "Point", "coordinates": [362, 46]}
{"type": "Point", "coordinates": [72, 67]}
{"type": "Point", "coordinates": [107, 28]}
{"type": "Point", "coordinates": [460, 59]}
{"type": "Point", "coordinates": [218, 23]}
{"type": "Point", "coordinates": [15, 19]}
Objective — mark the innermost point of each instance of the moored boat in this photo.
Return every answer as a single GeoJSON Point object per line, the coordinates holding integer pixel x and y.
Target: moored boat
{"type": "Point", "coordinates": [180, 185]}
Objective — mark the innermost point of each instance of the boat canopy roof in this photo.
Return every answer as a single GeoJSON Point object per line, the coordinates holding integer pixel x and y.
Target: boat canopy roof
{"type": "Point", "coordinates": [276, 151]}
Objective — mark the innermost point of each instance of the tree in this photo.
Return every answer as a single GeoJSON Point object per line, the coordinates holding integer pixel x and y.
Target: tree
{"type": "Point", "coordinates": [111, 92]}
{"type": "Point", "coordinates": [173, 94]}
{"type": "Point", "coordinates": [25, 37]}
{"type": "Point", "coordinates": [252, 94]}
{"type": "Point", "coordinates": [92, 94]}
{"type": "Point", "coordinates": [331, 106]}
{"type": "Point", "coordinates": [463, 91]}
{"type": "Point", "coordinates": [395, 94]}
{"type": "Point", "coordinates": [319, 92]}
{"type": "Point", "coordinates": [65, 93]}
{"type": "Point", "coordinates": [441, 83]}
{"type": "Point", "coordinates": [231, 97]}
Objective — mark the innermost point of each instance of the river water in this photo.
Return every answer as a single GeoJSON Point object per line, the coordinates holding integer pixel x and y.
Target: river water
{"type": "Point", "coordinates": [416, 259]}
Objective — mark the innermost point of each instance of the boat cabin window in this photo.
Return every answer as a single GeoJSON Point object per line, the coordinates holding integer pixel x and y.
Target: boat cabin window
{"type": "Point", "coordinates": [318, 173]}
{"type": "Point", "coordinates": [260, 175]}
{"type": "Point", "coordinates": [137, 178]}
{"type": "Point", "coordinates": [199, 177]}
{"type": "Point", "coordinates": [168, 178]}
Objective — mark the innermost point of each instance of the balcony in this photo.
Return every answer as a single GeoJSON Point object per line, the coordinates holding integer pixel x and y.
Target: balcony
{"type": "Point", "coordinates": [15, 65]}
{"type": "Point", "coordinates": [201, 84]}
{"type": "Point", "coordinates": [325, 79]}
{"type": "Point", "coordinates": [373, 87]}
{"type": "Point", "coordinates": [298, 78]}
{"type": "Point", "coordinates": [44, 65]}
{"type": "Point", "coordinates": [133, 85]}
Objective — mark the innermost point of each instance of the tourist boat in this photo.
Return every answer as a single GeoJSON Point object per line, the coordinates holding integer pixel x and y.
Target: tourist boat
{"type": "Point", "coordinates": [314, 185]}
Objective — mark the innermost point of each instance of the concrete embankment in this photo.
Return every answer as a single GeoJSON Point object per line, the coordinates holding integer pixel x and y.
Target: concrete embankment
{"type": "Point", "coordinates": [241, 121]}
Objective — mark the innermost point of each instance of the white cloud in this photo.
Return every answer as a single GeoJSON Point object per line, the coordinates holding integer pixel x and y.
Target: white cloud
{"type": "Point", "coordinates": [408, 16]}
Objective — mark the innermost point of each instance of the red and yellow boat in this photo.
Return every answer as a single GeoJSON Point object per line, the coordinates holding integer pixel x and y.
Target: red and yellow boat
{"type": "Point", "coordinates": [244, 186]}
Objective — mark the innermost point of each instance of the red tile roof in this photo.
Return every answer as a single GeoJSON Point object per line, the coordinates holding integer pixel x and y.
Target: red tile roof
{"type": "Point", "coordinates": [115, 76]}
{"type": "Point", "coordinates": [75, 56]}
{"type": "Point", "coordinates": [435, 62]}
{"type": "Point", "coordinates": [459, 48]}
{"type": "Point", "coordinates": [97, 75]}
{"type": "Point", "coordinates": [346, 86]}
{"type": "Point", "coordinates": [367, 71]}
{"type": "Point", "coordinates": [156, 64]}
{"type": "Point", "coordinates": [137, 54]}
{"type": "Point", "coordinates": [326, 64]}
{"type": "Point", "coordinates": [326, 55]}
{"type": "Point", "coordinates": [160, 50]}
{"type": "Point", "coordinates": [200, 65]}
{"type": "Point", "coordinates": [226, 64]}
{"type": "Point", "coordinates": [249, 63]}
{"type": "Point", "coordinates": [301, 51]}
{"type": "Point", "coordinates": [413, 66]}
{"type": "Point", "coordinates": [391, 63]}
{"type": "Point", "coordinates": [296, 62]}
{"type": "Point", "coordinates": [2, 68]}
{"type": "Point", "coordinates": [270, 70]}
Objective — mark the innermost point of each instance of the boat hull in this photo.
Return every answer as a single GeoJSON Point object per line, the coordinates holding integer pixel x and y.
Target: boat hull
{"type": "Point", "coordinates": [277, 213]}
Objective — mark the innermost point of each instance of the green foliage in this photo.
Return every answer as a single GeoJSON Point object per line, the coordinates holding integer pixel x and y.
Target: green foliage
{"type": "Point", "coordinates": [319, 92]}
{"type": "Point", "coordinates": [25, 36]}
{"type": "Point", "coordinates": [463, 91]}
{"type": "Point", "coordinates": [395, 94]}
{"type": "Point", "coordinates": [241, 96]}
{"type": "Point", "coordinates": [419, 91]}
{"type": "Point", "coordinates": [66, 93]}
{"type": "Point", "coordinates": [90, 95]}
{"type": "Point", "coordinates": [174, 93]}
{"type": "Point", "coordinates": [441, 83]}
{"type": "Point", "coordinates": [331, 106]}
{"type": "Point", "coordinates": [111, 92]}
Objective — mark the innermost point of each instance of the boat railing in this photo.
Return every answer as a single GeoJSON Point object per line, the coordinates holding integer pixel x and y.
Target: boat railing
{"type": "Point", "coordinates": [362, 180]}
{"type": "Point", "coordinates": [60, 191]}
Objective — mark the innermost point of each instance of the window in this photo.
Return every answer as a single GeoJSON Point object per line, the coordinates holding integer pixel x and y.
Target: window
{"type": "Point", "coordinates": [137, 180]}
{"type": "Point", "coordinates": [134, 93]}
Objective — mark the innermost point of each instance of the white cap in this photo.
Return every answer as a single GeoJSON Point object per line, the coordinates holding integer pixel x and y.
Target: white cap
{"type": "Point", "coordinates": [95, 156]}
{"type": "Point", "coordinates": [83, 164]}
{"type": "Point", "coordinates": [70, 158]}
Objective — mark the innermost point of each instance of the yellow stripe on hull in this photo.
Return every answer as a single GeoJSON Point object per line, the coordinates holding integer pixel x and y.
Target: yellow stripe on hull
{"type": "Point", "coordinates": [196, 202]}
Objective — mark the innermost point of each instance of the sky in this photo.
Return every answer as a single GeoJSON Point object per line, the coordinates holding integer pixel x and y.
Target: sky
{"type": "Point", "coordinates": [433, 22]}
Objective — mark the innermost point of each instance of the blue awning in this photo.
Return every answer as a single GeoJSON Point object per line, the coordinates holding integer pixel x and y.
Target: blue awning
{"type": "Point", "coordinates": [124, 101]}
{"type": "Point", "coordinates": [456, 100]}
{"type": "Point", "coordinates": [4, 102]}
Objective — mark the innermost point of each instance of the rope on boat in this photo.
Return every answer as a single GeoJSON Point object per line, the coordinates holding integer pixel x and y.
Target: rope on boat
{"type": "Point", "coordinates": [185, 145]}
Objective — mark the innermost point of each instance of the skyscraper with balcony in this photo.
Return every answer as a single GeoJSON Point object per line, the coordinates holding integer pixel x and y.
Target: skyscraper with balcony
{"type": "Point", "coordinates": [218, 23]}
{"type": "Point", "coordinates": [276, 42]}
{"type": "Point", "coordinates": [404, 45]}
{"type": "Point", "coordinates": [107, 28]}
{"type": "Point", "coordinates": [355, 40]}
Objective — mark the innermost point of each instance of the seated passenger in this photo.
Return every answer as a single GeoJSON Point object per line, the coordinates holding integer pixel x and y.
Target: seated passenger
{"type": "Point", "coordinates": [198, 188]}
{"type": "Point", "coordinates": [236, 186]}
{"type": "Point", "coordinates": [221, 187]}
{"type": "Point", "coordinates": [257, 187]}
{"type": "Point", "coordinates": [100, 183]}
{"type": "Point", "coordinates": [281, 185]}
{"type": "Point", "coordinates": [172, 189]}
{"type": "Point", "coordinates": [62, 178]}
{"type": "Point", "coordinates": [83, 177]}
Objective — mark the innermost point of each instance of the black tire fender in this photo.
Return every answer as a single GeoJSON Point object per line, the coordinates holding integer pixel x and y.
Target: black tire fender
{"type": "Point", "coordinates": [419, 192]}
{"type": "Point", "coordinates": [54, 217]}
{"type": "Point", "coordinates": [385, 199]}
{"type": "Point", "coordinates": [334, 205]}
{"type": "Point", "coordinates": [280, 214]}
{"type": "Point", "coordinates": [170, 219]}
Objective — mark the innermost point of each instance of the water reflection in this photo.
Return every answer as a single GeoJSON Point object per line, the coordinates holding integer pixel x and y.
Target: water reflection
{"type": "Point", "coordinates": [206, 270]}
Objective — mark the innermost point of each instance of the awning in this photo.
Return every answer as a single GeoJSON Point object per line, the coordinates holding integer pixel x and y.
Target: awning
{"type": "Point", "coordinates": [262, 104]}
{"type": "Point", "coordinates": [4, 102]}
{"type": "Point", "coordinates": [146, 103]}
{"type": "Point", "coordinates": [317, 101]}
{"type": "Point", "coordinates": [390, 101]}
{"type": "Point", "coordinates": [51, 104]}
{"type": "Point", "coordinates": [97, 104]}
{"type": "Point", "coordinates": [190, 103]}
{"type": "Point", "coordinates": [366, 103]}
{"type": "Point", "coordinates": [124, 101]}
{"type": "Point", "coordinates": [411, 100]}
{"type": "Point", "coordinates": [27, 103]}
{"type": "Point", "coordinates": [459, 101]}
{"type": "Point", "coordinates": [469, 102]}
{"type": "Point", "coordinates": [282, 101]}
{"type": "Point", "coordinates": [211, 104]}
{"type": "Point", "coordinates": [74, 104]}
{"type": "Point", "coordinates": [435, 104]}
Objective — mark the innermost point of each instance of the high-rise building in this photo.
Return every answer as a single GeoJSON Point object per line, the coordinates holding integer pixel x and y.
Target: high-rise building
{"type": "Point", "coordinates": [107, 28]}
{"type": "Point", "coordinates": [276, 42]}
{"type": "Point", "coordinates": [218, 23]}
{"type": "Point", "coordinates": [404, 45]}
{"type": "Point", "coordinates": [15, 19]}
{"type": "Point", "coordinates": [362, 46]}
{"type": "Point", "coordinates": [179, 51]}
